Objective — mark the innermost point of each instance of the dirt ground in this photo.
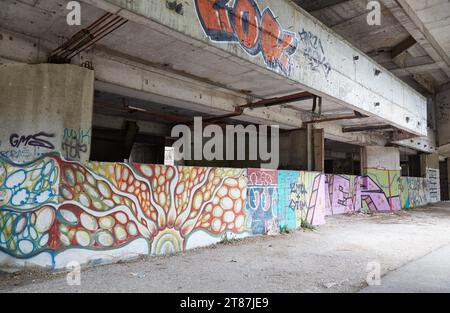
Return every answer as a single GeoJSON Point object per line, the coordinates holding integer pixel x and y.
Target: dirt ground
{"type": "Point", "coordinates": [332, 258]}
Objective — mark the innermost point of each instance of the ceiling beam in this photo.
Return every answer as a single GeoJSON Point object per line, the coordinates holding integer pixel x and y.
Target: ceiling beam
{"type": "Point", "coordinates": [403, 46]}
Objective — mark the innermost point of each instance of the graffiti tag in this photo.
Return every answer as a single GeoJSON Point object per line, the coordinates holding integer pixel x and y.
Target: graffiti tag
{"type": "Point", "coordinates": [314, 52]}
{"type": "Point", "coordinates": [444, 110]}
{"type": "Point", "coordinates": [255, 32]}
{"type": "Point", "coordinates": [36, 140]}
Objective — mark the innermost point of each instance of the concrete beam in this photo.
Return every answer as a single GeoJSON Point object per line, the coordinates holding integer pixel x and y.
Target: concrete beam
{"type": "Point", "coordinates": [350, 81]}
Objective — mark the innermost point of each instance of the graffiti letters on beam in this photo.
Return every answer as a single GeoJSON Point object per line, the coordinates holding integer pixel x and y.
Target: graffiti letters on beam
{"type": "Point", "coordinates": [75, 142]}
{"type": "Point", "coordinates": [314, 52]}
{"type": "Point", "coordinates": [255, 31]}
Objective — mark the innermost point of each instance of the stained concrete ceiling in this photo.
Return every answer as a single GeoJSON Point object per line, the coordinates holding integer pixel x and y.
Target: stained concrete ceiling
{"type": "Point", "coordinates": [397, 43]}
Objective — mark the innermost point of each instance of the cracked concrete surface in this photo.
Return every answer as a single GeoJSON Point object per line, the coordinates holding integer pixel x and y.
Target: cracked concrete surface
{"type": "Point", "coordinates": [333, 258]}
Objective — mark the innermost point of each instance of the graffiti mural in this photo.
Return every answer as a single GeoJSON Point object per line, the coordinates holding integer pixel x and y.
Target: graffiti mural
{"type": "Point", "coordinates": [256, 32]}
{"type": "Point", "coordinates": [75, 143]}
{"type": "Point", "coordinates": [301, 199]}
{"type": "Point", "coordinates": [55, 207]}
{"type": "Point", "coordinates": [314, 53]}
{"type": "Point", "coordinates": [262, 201]}
{"type": "Point", "coordinates": [379, 191]}
{"type": "Point", "coordinates": [24, 148]}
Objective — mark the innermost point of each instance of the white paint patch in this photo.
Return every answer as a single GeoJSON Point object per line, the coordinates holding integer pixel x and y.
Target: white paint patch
{"type": "Point", "coordinates": [201, 238]}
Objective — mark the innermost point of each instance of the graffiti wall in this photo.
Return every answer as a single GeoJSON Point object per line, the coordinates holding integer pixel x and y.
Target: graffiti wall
{"type": "Point", "coordinates": [434, 187]}
{"type": "Point", "coordinates": [380, 191]}
{"type": "Point", "coordinates": [414, 192]}
{"type": "Point", "coordinates": [377, 192]}
{"type": "Point", "coordinates": [54, 211]}
{"type": "Point", "coordinates": [256, 31]}
{"type": "Point", "coordinates": [300, 199]}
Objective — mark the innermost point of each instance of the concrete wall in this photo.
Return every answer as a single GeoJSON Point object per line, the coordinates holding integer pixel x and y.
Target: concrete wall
{"type": "Point", "coordinates": [309, 55]}
{"type": "Point", "coordinates": [294, 150]}
{"type": "Point", "coordinates": [45, 108]}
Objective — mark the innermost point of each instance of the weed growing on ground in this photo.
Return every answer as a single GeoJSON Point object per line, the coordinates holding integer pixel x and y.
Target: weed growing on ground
{"type": "Point", "coordinates": [307, 226]}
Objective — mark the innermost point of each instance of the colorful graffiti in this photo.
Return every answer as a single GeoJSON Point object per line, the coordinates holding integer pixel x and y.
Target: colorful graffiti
{"type": "Point", "coordinates": [255, 31]}
{"type": "Point", "coordinates": [377, 192]}
{"type": "Point", "coordinates": [434, 187]}
{"type": "Point", "coordinates": [301, 199]}
{"type": "Point", "coordinates": [75, 143]}
{"type": "Point", "coordinates": [54, 206]}
{"type": "Point", "coordinates": [413, 191]}
{"type": "Point", "coordinates": [341, 194]}
{"type": "Point", "coordinates": [314, 53]}
{"type": "Point", "coordinates": [262, 202]}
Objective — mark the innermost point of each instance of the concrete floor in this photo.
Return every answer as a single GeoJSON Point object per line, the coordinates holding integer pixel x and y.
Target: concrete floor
{"type": "Point", "coordinates": [412, 247]}
{"type": "Point", "coordinates": [428, 274]}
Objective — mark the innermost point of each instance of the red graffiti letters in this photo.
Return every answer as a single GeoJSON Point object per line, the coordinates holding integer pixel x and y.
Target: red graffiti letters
{"type": "Point", "coordinates": [256, 32]}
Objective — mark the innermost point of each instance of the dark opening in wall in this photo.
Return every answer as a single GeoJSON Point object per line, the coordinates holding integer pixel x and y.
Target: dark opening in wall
{"type": "Point", "coordinates": [112, 145]}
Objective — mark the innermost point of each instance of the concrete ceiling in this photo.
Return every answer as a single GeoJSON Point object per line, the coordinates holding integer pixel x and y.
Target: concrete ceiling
{"type": "Point", "coordinates": [394, 43]}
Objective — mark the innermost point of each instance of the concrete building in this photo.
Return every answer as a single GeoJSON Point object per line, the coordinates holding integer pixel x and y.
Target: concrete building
{"type": "Point", "coordinates": [349, 98]}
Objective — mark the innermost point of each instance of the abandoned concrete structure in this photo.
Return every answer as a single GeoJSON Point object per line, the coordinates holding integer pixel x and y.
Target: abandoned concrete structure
{"type": "Point", "coordinates": [87, 113]}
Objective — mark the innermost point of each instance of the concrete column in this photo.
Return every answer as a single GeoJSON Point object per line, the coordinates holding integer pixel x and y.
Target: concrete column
{"type": "Point", "coordinates": [45, 108]}
{"type": "Point", "coordinates": [430, 170]}
{"type": "Point", "coordinates": [293, 150]}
